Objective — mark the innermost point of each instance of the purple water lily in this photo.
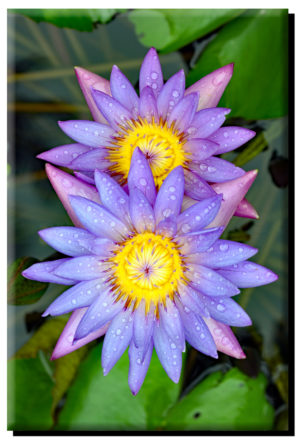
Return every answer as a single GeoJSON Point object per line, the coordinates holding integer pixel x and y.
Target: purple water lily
{"type": "Point", "coordinates": [156, 275]}
{"type": "Point", "coordinates": [171, 126]}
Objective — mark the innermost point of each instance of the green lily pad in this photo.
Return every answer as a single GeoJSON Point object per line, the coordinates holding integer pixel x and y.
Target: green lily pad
{"type": "Point", "coordinates": [29, 396]}
{"type": "Point", "coordinates": [257, 43]}
{"type": "Point", "coordinates": [80, 19]}
{"type": "Point", "coordinates": [175, 28]}
{"type": "Point", "coordinates": [223, 402]}
{"type": "Point", "coordinates": [95, 402]}
{"type": "Point", "coordinates": [21, 291]}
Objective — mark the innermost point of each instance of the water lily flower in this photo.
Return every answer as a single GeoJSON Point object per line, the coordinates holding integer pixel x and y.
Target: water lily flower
{"type": "Point", "coordinates": [171, 125]}
{"type": "Point", "coordinates": [156, 275]}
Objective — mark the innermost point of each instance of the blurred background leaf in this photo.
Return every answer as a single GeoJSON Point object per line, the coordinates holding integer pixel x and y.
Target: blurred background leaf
{"type": "Point", "coordinates": [29, 385]}
{"type": "Point", "coordinates": [223, 402]}
{"type": "Point", "coordinates": [80, 19]}
{"type": "Point", "coordinates": [96, 402]}
{"type": "Point", "coordinates": [257, 44]}
{"type": "Point", "coordinates": [175, 28]}
{"type": "Point", "coordinates": [21, 291]}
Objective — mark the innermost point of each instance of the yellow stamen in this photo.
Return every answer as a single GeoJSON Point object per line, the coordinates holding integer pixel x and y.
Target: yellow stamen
{"type": "Point", "coordinates": [162, 145]}
{"type": "Point", "coordinates": [147, 266]}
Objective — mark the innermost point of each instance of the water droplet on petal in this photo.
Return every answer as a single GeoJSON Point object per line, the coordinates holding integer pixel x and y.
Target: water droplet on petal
{"type": "Point", "coordinates": [223, 247]}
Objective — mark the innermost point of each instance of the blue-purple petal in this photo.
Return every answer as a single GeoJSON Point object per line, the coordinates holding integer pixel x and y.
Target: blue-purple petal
{"type": "Point", "coordinates": [102, 310]}
{"type": "Point", "coordinates": [94, 159]}
{"type": "Point", "coordinates": [217, 170]}
{"type": "Point", "coordinates": [89, 133]}
{"type": "Point", "coordinates": [45, 272]}
{"type": "Point", "coordinates": [167, 352]}
{"type": "Point", "coordinates": [64, 155]}
{"type": "Point", "coordinates": [209, 282]}
{"type": "Point", "coordinates": [113, 196]}
{"type": "Point", "coordinates": [196, 332]}
{"type": "Point", "coordinates": [97, 219]}
{"type": "Point", "coordinates": [198, 241]}
{"type": "Point", "coordinates": [169, 198]}
{"type": "Point", "coordinates": [138, 366]}
{"type": "Point", "coordinates": [150, 73]}
{"type": "Point", "coordinates": [229, 138]}
{"type": "Point", "coordinates": [226, 310]}
{"type": "Point", "coordinates": [184, 111]}
{"type": "Point", "coordinates": [141, 212]}
{"type": "Point", "coordinates": [207, 121]}
{"type": "Point", "coordinates": [78, 296]}
{"type": "Point", "coordinates": [82, 268]}
{"type": "Point", "coordinates": [117, 339]}
{"type": "Point", "coordinates": [148, 106]}
{"type": "Point", "coordinates": [87, 177]}
{"type": "Point", "coordinates": [171, 323]}
{"type": "Point", "coordinates": [223, 253]}
{"type": "Point", "coordinates": [248, 274]}
{"type": "Point", "coordinates": [171, 93]}
{"type": "Point", "coordinates": [111, 109]}
{"type": "Point", "coordinates": [140, 176]}
{"type": "Point", "coordinates": [67, 239]}
{"type": "Point", "coordinates": [199, 215]}
{"type": "Point", "coordinates": [99, 246]}
{"type": "Point", "coordinates": [198, 149]}
{"type": "Point", "coordinates": [143, 326]}
{"type": "Point", "coordinates": [196, 187]}
{"type": "Point", "coordinates": [167, 227]}
{"type": "Point", "coordinates": [123, 91]}
{"type": "Point", "coordinates": [190, 298]}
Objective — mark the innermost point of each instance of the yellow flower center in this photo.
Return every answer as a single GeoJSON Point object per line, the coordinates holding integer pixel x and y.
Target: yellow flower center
{"type": "Point", "coordinates": [161, 144]}
{"type": "Point", "coordinates": [147, 266]}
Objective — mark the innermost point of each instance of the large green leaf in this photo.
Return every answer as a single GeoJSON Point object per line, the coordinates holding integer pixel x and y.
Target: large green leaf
{"type": "Point", "coordinates": [105, 403]}
{"type": "Point", "coordinates": [21, 291]}
{"type": "Point", "coordinates": [65, 368]}
{"type": "Point", "coordinates": [224, 402]}
{"type": "Point", "coordinates": [257, 43]}
{"type": "Point", "coordinates": [175, 28]}
{"type": "Point", "coordinates": [80, 19]}
{"type": "Point", "coordinates": [29, 396]}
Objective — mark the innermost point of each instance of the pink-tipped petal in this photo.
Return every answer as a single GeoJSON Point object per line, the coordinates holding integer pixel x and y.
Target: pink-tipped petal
{"type": "Point", "coordinates": [224, 339]}
{"type": "Point", "coordinates": [211, 87]}
{"type": "Point", "coordinates": [65, 184]}
{"type": "Point", "coordinates": [233, 192]}
{"type": "Point", "coordinates": [65, 344]}
{"type": "Point", "coordinates": [87, 81]}
{"type": "Point", "coordinates": [246, 210]}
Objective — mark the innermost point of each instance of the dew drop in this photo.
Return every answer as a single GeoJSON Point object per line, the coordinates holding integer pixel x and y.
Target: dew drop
{"type": "Point", "coordinates": [143, 182]}
{"type": "Point", "coordinates": [185, 228]}
{"type": "Point", "coordinates": [223, 247]}
{"type": "Point", "coordinates": [167, 212]}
